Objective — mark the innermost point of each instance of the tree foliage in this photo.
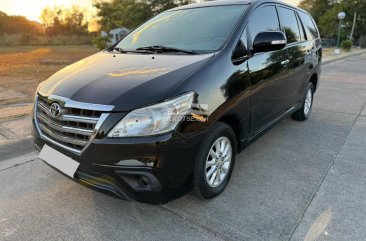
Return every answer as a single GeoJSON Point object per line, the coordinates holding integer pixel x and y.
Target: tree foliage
{"type": "Point", "coordinates": [325, 13]}
{"type": "Point", "coordinates": [59, 20]}
{"type": "Point", "coordinates": [316, 8]}
{"type": "Point", "coordinates": [131, 13]}
{"type": "Point", "coordinates": [18, 24]}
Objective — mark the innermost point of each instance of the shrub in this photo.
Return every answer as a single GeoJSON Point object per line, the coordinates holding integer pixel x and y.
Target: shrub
{"type": "Point", "coordinates": [347, 45]}
{"type": "Point", "coordinates": [100, 42]}
{"type": "Point", "coordinates": [69, 40]}
{"type": "Point", "coordinates": [10, 39]}
{"type": "Point", "coordinates": [27, 39]}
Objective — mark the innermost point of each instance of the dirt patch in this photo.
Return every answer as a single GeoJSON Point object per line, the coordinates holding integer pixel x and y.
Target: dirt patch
{"type": "Point", "coordinates": [14, 111]}
{"type": "Point", "coordinates": [8, 96]}
{"type": "Point", "coordinates": [23, 68]}
{"type": "Point", "coordinates": [20, 127]}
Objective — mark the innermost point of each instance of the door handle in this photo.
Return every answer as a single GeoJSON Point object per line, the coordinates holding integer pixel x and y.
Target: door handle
{"type": "Point", "coordinates": [285, 62]}
{"type": "Point", "coordinates": [309, 54]}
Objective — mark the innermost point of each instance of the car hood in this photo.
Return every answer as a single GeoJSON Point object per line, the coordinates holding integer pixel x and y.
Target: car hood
{"type": "Point", "coordinates": [126, 81]}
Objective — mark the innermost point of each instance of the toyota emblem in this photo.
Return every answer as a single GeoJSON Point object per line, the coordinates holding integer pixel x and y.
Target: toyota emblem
{"type": "Point", "coordinates": [55, 110]}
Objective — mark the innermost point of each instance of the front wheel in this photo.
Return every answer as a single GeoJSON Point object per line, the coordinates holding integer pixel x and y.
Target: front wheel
{"type": "Point", "coordinates": [304, 112]}
{"type": "Point", "coordinates": [215, 161]}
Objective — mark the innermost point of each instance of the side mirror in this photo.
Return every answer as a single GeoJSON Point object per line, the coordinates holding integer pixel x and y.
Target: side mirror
{"type": "Point", "coordinates": [240, 53]}
{"type": "Point", "coordinates": [269, 41]}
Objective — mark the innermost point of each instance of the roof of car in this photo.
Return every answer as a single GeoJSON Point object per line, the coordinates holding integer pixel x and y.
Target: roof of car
{"type": "Point", "coordinates": [214, 3]}
{"type": "Point", "coordinates": [227, 2]}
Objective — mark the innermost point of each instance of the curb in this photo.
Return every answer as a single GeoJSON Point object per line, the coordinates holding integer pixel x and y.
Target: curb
{"type": "Point", "coordinates": [16, 148]}
{"type": "Point", "coordinates": [343, 57]}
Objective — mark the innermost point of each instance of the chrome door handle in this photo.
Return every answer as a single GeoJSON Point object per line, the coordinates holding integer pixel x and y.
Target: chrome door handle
{"type": "Point", "coordinates": [285, 62]}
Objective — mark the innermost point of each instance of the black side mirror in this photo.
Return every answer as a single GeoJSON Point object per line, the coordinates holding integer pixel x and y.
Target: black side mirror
{"type": "Point", "coordinates": [269, 41]}
{"type": "Point", "coordinates": [240, 53]}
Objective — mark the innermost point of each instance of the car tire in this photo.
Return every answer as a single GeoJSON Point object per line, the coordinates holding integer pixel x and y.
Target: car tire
{"type": "Point", "coordinates": [215, 161]}
{"type": "Point", "coordinates": [304, 112]}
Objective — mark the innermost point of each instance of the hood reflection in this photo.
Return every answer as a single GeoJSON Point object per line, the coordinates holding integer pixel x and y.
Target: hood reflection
{"type": "Point", "coordinates": [138, 72]}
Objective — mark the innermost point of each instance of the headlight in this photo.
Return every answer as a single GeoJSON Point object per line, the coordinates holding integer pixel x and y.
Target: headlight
{"type": "Point", "coordinates": [155, 119]}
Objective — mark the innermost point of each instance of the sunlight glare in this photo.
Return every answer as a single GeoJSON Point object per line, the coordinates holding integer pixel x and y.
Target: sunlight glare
{"type": "Point", "coordinates": [33, 9]}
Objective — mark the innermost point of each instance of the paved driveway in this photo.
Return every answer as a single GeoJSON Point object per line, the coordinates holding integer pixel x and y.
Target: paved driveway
{"type": "Point", "coordinates": [300, 181]}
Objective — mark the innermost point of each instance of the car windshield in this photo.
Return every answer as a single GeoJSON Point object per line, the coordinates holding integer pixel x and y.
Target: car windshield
{"type": "Point", "coordinates": [199, 29]}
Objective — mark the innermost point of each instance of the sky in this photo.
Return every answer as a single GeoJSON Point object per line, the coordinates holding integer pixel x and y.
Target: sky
{"type": "Point", "coordinates": [32, 8]}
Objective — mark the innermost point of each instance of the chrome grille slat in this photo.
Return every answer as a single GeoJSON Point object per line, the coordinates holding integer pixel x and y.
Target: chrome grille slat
{"type": "Point", "coordinates": [84, 119]}
{"type": "Point", "coordinates": [62, 128]}
{"type": "Point", "coordinates": [74, 126]}
{"type": "Point", "coordinates": [62, 138]}
{"type": "Point", "coordinates": [43, 107]}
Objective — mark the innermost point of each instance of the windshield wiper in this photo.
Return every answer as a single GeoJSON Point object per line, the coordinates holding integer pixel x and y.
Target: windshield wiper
{"type": "Point", "coordinates": [120, 50]}
{"type": "Point", "coordinates": [123, 51]}
{"type": "Point", "coordinates": [166, 49]}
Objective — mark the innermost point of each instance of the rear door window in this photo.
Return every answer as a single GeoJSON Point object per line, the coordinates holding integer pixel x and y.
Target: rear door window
{"type": "Point", "coordinates": [310, 29]}
{"type": "Point", "coordinates": [290, 25]}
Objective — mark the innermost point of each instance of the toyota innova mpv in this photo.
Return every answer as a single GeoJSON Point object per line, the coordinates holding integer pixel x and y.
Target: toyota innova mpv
{"type": "Point", "coordinates": [167, 108]}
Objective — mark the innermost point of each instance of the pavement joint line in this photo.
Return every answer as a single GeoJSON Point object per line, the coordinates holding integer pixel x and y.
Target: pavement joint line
{"type": "Point", "coordinates": [18, 164]}
{"type": "Point", "coordinates": [10, 131]}
{"type": "Point", "coordinates": [324, 176]}
{"type": "Point", "coordinates": [13, 117]}
{"type": "Point", "coordinates": [7, 133]}
{"type": "Point", "coordinates": [196, 224]}
{"type": "Point", "coordinates": [17, 104]}
{"type": "Point", "coordinates": [341, 83]}
{"type": "Point", "coordinates": [337, 112]}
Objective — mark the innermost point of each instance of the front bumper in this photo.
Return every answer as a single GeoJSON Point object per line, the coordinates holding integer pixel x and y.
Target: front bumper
{"type": "Point", "coordinates": [146, 169]}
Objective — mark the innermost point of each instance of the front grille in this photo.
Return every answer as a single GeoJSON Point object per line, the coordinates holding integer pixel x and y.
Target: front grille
{"type": "Point", "coordinates": [72, 128]}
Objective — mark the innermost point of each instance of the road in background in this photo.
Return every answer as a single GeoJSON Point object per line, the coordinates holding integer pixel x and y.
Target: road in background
{"type": "Point", "coordinates": [300, 181]}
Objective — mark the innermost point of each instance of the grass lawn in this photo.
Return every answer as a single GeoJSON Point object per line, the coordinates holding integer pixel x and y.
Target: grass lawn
{"type": "Point", "coordinates": [23, 68]}
{"type": "Point", "coordinates": [328, 53]}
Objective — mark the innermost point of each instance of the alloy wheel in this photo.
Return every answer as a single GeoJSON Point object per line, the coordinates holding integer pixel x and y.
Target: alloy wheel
{"type": "Point", "coordinates": [308, 102]}
{"type": "Point", "coordinates": [218, 161]}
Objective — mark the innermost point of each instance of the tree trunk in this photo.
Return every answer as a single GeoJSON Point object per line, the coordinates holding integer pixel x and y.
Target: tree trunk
{"type": "Point", "coordinates": [363, 41]}
{"type": "Point", "coordinates": [353, 26]}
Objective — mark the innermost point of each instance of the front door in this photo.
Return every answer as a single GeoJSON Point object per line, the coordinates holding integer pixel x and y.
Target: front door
{"type": "Point", "coordinates": [268, 73]}
{"type": "Point", "coordinates": [298, 50]}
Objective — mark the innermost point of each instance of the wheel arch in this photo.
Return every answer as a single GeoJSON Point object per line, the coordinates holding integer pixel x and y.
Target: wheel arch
{"type": "Point", "coordinates": [235, 123]}
{"type": "Point", "coordinates": [314, 81]}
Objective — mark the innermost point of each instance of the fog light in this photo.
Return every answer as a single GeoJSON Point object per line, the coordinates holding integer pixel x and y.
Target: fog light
{"type": "Point", "coordinates": [136, 163]}
{"type": "Point", "coordinates": [144, 180]}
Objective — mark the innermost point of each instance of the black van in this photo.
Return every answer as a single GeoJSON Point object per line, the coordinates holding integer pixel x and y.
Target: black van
{"type": "Point", "coordinates": [169, 106]}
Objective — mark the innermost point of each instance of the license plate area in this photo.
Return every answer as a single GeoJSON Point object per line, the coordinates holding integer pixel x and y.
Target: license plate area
{"type": "Point", "coordinates": [59, 161]}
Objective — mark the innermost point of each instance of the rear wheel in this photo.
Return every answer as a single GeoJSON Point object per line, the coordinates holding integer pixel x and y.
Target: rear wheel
{"type": "Point", "coordinates": [304, 112]}
{"type": "Point", "coordinates": [215, 161]}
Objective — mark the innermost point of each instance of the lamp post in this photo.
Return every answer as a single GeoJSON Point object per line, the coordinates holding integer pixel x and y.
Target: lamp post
{"type": "Point", "coordinates": [341, 16]}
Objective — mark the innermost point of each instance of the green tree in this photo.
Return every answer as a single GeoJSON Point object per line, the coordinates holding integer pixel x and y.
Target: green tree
{"type": "Point", "coordinates": [18, 24]}
{"type": "Point", "coordinates": [59, 21]}
{"type": "Point", "coordinates": [358, 8]}
{"type": "Point", "coordinates": [131, 13]}
{"type": "Point", "coordinates": [158, 6]}
{"type": "Point", "coordinates": [316, 8]}
{"type": "Point", "coordinates": [328, 23]}
{"type": "Point", "coordinates": [122, 13]}
{"type": "Point", "coordinates": [325, 14]}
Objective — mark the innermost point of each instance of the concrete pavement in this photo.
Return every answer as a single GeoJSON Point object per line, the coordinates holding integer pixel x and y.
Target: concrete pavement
{"type": "Point", "coordinates": [15, 122]}
{"type": "Point", "coordinates": [338, 210]}
{"type": "Point", "coordinates": [300, 181]}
